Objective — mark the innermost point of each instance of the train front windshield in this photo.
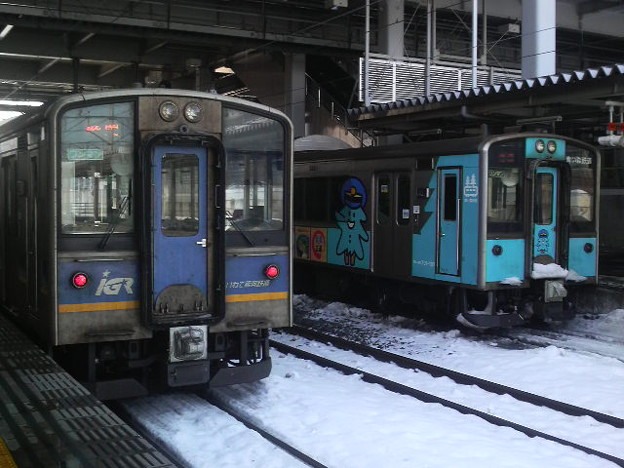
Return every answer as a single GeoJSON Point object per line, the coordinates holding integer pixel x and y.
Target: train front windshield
{"type": "Point", "coordinates": [508, 162]}
{"type": "Point", "coordinates": [255, 158]}
{"type": "Point", "coordinates": [97, 167]}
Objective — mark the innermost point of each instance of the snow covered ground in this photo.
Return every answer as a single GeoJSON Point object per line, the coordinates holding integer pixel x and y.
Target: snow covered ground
{"type": "Point", "coordinates": [344, 422]}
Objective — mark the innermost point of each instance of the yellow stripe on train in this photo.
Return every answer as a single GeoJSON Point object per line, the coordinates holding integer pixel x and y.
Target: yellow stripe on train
{"type": "Point", "coordinates": [256, 297]}
{"type": "Point", "coordinates": [98, 307]}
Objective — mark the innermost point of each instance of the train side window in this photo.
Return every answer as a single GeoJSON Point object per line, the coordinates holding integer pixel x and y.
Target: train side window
{"type": "Point", "coordinates": [450, 197]}
{"type": "Point", "coordinates": [544, 199]}
{"type": "Point", "coordinates": [384, 194]}
{"type": "Point", "coordinates": [403, 200]}
{"type": "Point", "coordinates": [316, 199]}
{"type": "Point", "coordinates": [299, 199]}
{"type": "Point", "coordinates": [180, 195]}
{"type": "Point", "coordinates": [334, 191]}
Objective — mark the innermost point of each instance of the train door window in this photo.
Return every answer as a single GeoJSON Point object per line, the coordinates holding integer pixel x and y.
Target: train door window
{"type": "Point", "coordinates": [384, 198]}
{"type": "Point", "coordinates": [97, 168]}
{"type": "Point", "coordinates": [403, 199]}
{"type": "Point", "coordinates": [544, 199]}
{"type": "Point", "coordinates": [450, 197]}
{"type": "Point", "coordinates": [10, 175]}
{"type": "Point", "coordinates": [180, 195]}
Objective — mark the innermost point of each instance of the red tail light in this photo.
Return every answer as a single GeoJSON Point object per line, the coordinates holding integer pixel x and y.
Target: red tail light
{"type": "Point", "coordinates": [272, 271]}
{"type": "Point", "coordinates": [80, 280]}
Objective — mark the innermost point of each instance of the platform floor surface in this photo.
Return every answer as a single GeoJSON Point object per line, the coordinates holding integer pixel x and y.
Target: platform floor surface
{"type": "Point", "coordinates": [48, 419]}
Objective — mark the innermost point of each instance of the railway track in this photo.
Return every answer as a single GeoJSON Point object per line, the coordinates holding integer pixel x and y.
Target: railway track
{"type": "Point", "coordinates": [265, 433]}
{"type": "Point", "coordinates": [120, 410]}
{"type": "Point", "coordinates": [457, 377]}
{"type": "Point", "coordinates": [588, 342]}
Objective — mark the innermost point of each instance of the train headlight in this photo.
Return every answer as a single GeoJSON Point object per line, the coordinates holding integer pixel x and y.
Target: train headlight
{"type": "Point", "coordinates": [79, 280]}
{"type": "Point", "coordinates": [193, 112]}
{"type": "Point", "coordinates": [539, 146]}
{"type": "Point", "coordinates": [497, 250]}
{"type": "Point", "coordinates": [551, 147]}
{"type": "Point", "coordinates": [169, 111]}
{"type": "Point", "coordinates": [589, 248]}
{"type": "Point", "coordinates": [271, 271]}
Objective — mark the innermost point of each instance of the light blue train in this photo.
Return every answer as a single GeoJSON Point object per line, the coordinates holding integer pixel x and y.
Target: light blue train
{"type": "Point", "coordinates": [494, 230]}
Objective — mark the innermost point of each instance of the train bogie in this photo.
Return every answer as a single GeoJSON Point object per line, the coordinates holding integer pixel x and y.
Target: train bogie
{"type": "Point", "coordinates": [496, 229]}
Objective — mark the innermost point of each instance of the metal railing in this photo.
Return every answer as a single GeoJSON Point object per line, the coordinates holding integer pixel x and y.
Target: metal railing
{"type": "Point", "coordinates": [393, 80]}
{"type": "Point", "coordinates": [320, 98]}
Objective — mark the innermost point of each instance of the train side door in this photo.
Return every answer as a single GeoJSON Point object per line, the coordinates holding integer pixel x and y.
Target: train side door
{"type": "Point", "coordinates": [181, 244]}
{"type": "Point", "coordinates": [393, 234]}
{"type": "Point", "coordinates": [449, 181]}
{"type": "Point", "coordinates": [546, 212]}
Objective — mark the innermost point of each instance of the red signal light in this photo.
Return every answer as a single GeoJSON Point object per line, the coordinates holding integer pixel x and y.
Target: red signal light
{"type": "Point", "coordinates": [80, 280]}
{"type": "Point", "coordinates": [272, 271]}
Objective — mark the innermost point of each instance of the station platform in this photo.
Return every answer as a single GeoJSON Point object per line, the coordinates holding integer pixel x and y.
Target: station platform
{"type": "Point", "coordinates": [47, 419]}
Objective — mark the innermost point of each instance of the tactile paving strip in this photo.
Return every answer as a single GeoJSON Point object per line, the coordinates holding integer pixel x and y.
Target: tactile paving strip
{"type": "Point", "coordinates": [48, 419]}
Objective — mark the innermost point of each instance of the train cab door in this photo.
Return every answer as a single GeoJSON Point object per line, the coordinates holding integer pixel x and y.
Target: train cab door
{"type": "Point", "coordinates": [449, 180]}
{"type": "Point", "coordinates": [393, 233]}
{"type": "Point", "coordinates": [546, 213]}
{"type": "Point", "coordinates": [181, 238]}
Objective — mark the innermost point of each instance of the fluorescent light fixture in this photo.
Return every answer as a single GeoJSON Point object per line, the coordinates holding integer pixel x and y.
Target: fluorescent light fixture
{"type": "Point", "coordinates": [20, 103]}
{"type": "Point", "coordinates": [223, 70]}
{"type": "Point", "coordinates": [6, 115]}
{"type": "Point", "coordinates": [5, 31]}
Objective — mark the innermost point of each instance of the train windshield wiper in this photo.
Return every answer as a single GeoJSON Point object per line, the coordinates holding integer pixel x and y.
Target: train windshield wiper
{"type": "Point", "coordinates": [230, 219]}
{"type": "Point", "coordinates": [125, 204]}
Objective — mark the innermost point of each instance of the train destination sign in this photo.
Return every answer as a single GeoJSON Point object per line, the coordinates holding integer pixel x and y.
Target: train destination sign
{"type": "Point", "coordinates": [85, 154]}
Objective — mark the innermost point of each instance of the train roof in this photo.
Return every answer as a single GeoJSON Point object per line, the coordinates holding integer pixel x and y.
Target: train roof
{"type": "Point", "coordinates": [52, 106]}
{"type": "Point", "coordinates": [453, 146]}
{"type": "Point", "coordinates": [469, 145]}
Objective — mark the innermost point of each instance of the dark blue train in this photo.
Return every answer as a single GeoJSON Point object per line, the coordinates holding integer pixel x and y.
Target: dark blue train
{"type": "Point", "coordinates": [494, 230]}
{"type": "Point", "coordinates": [145, 235]}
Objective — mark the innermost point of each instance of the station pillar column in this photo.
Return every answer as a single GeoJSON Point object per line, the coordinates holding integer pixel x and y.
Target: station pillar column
{"type": "Point", "coordinates": [539, 23]}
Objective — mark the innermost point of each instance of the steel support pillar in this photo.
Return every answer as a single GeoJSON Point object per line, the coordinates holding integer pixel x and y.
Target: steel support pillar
{"type": "Point", "coordinates": [539, 22]}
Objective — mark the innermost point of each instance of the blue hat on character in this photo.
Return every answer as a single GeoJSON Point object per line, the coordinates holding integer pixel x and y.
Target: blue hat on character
{"type": "Point", "coordinates": [353, 193]}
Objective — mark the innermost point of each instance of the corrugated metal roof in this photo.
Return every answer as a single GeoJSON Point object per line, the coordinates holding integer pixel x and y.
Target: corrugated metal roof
{"type": "Point", "coordinates": [491, 90]}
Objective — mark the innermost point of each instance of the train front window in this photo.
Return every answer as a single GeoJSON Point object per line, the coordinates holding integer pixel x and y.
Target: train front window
{"type": "Point", "coordinates": [254, 186]}
{"type": "Point", "coordinates": [503, 195]}
{"type": "Point", "coordinates": [582, 188]}
{"type": "Point", "coordinates": [97, 168]}
{"type": "Point", "coordinates": [505, 187]}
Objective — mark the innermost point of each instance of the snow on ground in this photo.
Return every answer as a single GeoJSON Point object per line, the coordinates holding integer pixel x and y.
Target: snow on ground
{"type": "Point", "coordinates": [345, 422]}
{"type": "Point", "coordinates": [582, 379]}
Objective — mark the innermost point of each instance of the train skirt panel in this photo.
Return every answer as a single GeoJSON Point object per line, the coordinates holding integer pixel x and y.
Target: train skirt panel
{"type": "Point", "coordinates": [505, 261]}
{"type": "Point", "coordinates": [583, 256]}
